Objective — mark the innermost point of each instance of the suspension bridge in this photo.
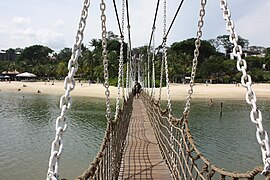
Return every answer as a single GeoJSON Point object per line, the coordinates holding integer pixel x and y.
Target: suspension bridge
{"type": "Point", "coordinates": [142, 140]}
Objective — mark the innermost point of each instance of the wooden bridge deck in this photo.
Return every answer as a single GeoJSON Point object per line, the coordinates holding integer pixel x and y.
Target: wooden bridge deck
{"type": "Point", "coordinates": [142, 158]}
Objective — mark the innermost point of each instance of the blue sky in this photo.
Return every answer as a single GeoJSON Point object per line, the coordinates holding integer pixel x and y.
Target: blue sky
{"type": "Point", "coordinates": [54, 22]}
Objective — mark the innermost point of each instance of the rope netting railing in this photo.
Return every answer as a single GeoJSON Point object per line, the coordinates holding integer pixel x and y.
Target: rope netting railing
{"type": "Point", "coordinates": [177, 147]}
{"type": "Point", "coordinates": [106, 164]}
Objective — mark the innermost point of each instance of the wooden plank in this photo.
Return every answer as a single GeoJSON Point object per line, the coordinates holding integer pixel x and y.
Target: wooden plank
{"type": "Point", "coordinates": [142, 158]}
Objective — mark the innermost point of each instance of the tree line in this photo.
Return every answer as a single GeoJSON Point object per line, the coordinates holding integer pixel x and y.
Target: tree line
{"type": "Point", "coordinates": [214, 61]}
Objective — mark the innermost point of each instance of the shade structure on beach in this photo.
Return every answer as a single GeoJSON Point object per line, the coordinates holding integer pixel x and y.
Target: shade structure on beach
{"type": "Point", "coordinates": [11, 72]}
{"type": "Point", "coordinates": [26, 75]}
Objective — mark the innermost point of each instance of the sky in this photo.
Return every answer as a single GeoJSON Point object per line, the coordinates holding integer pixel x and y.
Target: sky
{"type": "Point", "coordinates": [54, 23]}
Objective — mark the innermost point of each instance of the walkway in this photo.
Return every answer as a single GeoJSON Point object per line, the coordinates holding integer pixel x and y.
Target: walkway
{"type": "Point", "coordinates": [142, 158]}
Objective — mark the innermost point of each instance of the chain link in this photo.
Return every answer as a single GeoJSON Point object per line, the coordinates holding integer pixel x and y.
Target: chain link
{"type": "Point", "coordinates": [139, 68]}
{"type": "Point", "coordinates": [66, 100]}
{"type": "Point", "coordinates": [105, 59]}
{"type": "Point", "coordinates": [246, 81]}
{"type": "Point", "coordinates": [120, 68]}
{"type": "Point", "coordinates": [196, 55]}
{"type": "Point", "coordinates": [164, 39]}
{"type": "Point", "coordinates": [169, 105]}
{"type": "Point", "coordinates": [161, 78]}
{"type": "Point", "coordinates": [127, 82]}
{"type": "Point", "coordinates": [153, 67]}
{"type": "Point", "coordinates": [164, 17]}
{"type": "Point", "coordinates": [148, 72]}
{"type": "Point", "coordinates": [122, 48]}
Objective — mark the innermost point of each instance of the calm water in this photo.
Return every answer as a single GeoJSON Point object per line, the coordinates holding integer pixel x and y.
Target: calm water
{"type": "Point", "coordinates": [228, 141]}
{"type": "Point", "coordinates": [27, 129]}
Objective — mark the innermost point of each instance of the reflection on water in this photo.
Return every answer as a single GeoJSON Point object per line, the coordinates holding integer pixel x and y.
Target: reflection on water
{"type": "Point", "coordinates": [228, 141]}
{"type": "Point", "coordinates": [27, 129]}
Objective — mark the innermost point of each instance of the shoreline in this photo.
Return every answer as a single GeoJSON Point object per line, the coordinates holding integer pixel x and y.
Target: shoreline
{"type": "Point", "coordinates": [177, 91]}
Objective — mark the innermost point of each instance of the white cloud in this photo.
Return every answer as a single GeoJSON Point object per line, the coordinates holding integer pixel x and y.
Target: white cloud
{"type": "Point", "coordinates": [47, 26]}
{"type": "Point", "coordinates": [255, 26]}
{"type": "Point", "coordinates": [20, 20]}
{"type": "Point", "coordinates": [3, 28]}
{"type": "Point", "coordinates": [51, 38]}
{"type": "Point", "coordinates": [30, 36]}
{"type": "Point", "coordinates": [59, 23]}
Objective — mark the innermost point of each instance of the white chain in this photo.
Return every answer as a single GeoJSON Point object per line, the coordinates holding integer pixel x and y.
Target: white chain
{"type": "Point", "coordinates": [169, 105]}
{"type": "Point", "coordinates": [255, 114]}
{"type": "Point", "coordinates": [196, 55]}
{"type": "Point", "coordinates": [164, 17]}
{"type": "Point", "coordinates": [164, 38]}
{"type": "Point", "coordinates": [133, 70]}
{"type": "Point", "coordinates": [161, 78]}
{"type": "Point", "coordinates": [153, 67]}
{"type": "Point", "coordinates": [120, 77]}
{"type": "Point", "coordinates": [139, 68]}
{"type": "Point", "coordinates": [148, 72]}
{"type": "Point", "coordinates": [127, 81]}
{"type": "Point", "coordinates": [105, 59]}
{"type": "Point", "coordinates": [145, 75]}
{"type": "Point", "coordinates": [122, 48]}
{"type": "Point", "coordinates": [120, 68]}
{"type": "Point", "coordinates": [66, 100]}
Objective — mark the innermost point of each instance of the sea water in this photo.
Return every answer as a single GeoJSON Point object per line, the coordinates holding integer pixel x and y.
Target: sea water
{"type": "Point", "coordinates": [27, 123]}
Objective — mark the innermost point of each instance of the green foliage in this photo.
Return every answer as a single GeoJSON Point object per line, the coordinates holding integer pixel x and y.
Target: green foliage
{"type": "Point", "coordinates": [187, 48]}
{"type": "Point", "coordinates": [61, 70]}
{"type": "Point", "coordinates": [64, 54]}
{"type": "Point", "coordinates": [212, 64]}
{"type": "Point", "coordinates": [224, 41]}
{"type": "Point", "coordinates": [36, 54]}
{"type": "Point", "coordinates": [113, 81]}
{"type": "Point", "coordinates": [258, 75]}
{"type": "Point", "coordinates": [267, 52]}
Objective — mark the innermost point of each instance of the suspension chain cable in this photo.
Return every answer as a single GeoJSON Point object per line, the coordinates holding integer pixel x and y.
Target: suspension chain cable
{"type": "Point", "coordinates": [66, 100]}
{"type": "Point", "coordinates": [196, 55]}
{"type": "Point", "coordinates": [164, 37]}
{"type": "Point", "coordinates": [169, 105]}
{"type": "Point", "coordinates": [120, 68]}
{"type": "Point", "coordinates": [148, 71]}
{"type": "Point", "coordinates": [127, 81]}
{"type": "Point", "coordinates": [161, 78]}
{"type": "Point", "coordinates": [255, 114]}
{"type": "Point", "coordinates": [139, 68]}
{"type": "Point", "coordinates": [105, 59]}
{"type": "Point", "coordinates": [122, 48]}
{"type": "Point", "coordinates": [153, 68]}
{"type": "Point", "coordinates": [131, 79]}
{"type": "Point", "coordinates": [128, 27]}
{"type": "Point", "coordinates": [117, 17]}
{"type": "Point", "coordinates": [177, 11]}
{"type": "Point", "coordinates": [165, 58]}
{"type": "Point", "coordinates": [154, 25]}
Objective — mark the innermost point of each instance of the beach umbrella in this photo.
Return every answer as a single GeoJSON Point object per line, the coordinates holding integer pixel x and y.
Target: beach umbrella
{"type": "Point", "coordinates": [26, 74]}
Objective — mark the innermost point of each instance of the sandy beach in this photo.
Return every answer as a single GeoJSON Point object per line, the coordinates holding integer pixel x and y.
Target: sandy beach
{"type": "Point", "coordinates": [177, 91]}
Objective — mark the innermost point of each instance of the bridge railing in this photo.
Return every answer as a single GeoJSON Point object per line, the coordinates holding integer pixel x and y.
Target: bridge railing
{"type": "Point", "coordinates": [107, 162]}
{"type": "Point", "coordinates": [177, 147]}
